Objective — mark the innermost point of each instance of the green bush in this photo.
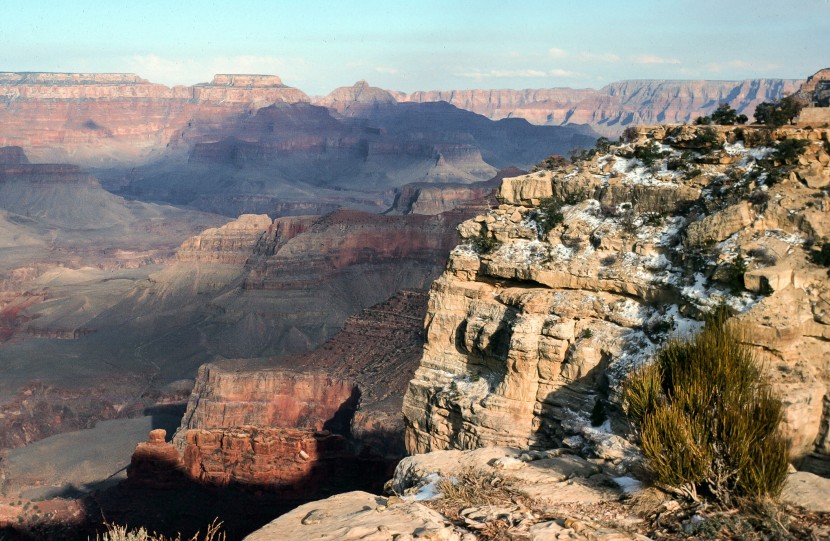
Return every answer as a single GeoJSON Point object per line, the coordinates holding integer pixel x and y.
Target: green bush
{"type": "Point", "coordinates": [552, 163]}
{"type": "Point", "coordinates": [484, 243]}
{"type": "Point", "coordinates": [706, 138]}
{"type": "Point", "coordinates": [707, 421]}
{"type": "Point", "coordinates": [789, 150]}
{"type": "Point", "coordinates": [603, 145]}
{"type": "Point", "coordinates": [725, 115]}
{"type": "Point", "coordinates": [648, 153]}
{"type": "Point", "coordinates": [778, 114]}
{"type": "Point", "coordinates": [820, 254]}
{"type": "Point", "coordinates": [549, 213]}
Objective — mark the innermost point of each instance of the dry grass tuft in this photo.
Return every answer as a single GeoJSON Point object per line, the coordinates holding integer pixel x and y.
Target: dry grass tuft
{"type": "Point", "coordinates": [117, 532]}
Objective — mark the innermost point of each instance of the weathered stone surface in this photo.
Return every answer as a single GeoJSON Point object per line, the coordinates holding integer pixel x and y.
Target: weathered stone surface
{"type": "Point", "coordinates": [359, 516]}
{"type": "Point", "coordinates": [156, 463]}
{"type": "Point", "coordinates": [276, 398]}
{"type": "Point", "coordinates": [293, 462]}
{"type": "Point", "coordinates": [807, 490]}
{"type": "Point", "coordinates": [523, 339]}
{"type": "Point", "coordinates": [231, 243]}
{"type": "Point", "coordinates": [721, 225]}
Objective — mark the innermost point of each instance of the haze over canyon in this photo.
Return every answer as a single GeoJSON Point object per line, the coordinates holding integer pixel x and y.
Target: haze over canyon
{"type": "Point", "coordinates": [246, 267]}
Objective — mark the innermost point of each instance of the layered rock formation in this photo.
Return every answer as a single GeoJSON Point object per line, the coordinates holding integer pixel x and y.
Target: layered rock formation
{"type": "Point", "coordinates": [225, 398]}
{"type": "Point", "coordinates": [613, 107]}
{"type": "Point", "coordinates": [422, 198]}
{"type": "Point", "coordinates": [289, 158]}
{"type": "Point", "coordinates": [102, 118]}
{"type": "Point", "coordinates": [356, 100]}
{"type": "Point", "coordinates": [526, 332]}
{"type": "Point", "coordinates": [231, 243]}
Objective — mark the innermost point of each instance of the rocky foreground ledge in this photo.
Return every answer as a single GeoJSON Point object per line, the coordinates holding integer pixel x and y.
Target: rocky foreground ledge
{"type": "Point", "coordinates": [581, 274]}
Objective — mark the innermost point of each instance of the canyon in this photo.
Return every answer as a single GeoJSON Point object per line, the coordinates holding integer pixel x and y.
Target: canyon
{"type": "Point", "coordinates": [241, 271]}
{"type": "Point", "coordinates": [612, 108]}
{"type": "Point", "coordinates": [527, 333]}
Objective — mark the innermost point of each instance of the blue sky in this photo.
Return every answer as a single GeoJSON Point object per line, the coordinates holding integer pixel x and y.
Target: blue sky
{"type": "Point", "coordinates": [420, 45]}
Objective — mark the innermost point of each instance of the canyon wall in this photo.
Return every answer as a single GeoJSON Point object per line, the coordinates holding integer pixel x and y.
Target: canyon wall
{"type": "Point", "coordinates": [612, 108]}
{"type": "Point", "coordinates": [528, 330]}
{"type": "Point", "coordinates": [105, 118]}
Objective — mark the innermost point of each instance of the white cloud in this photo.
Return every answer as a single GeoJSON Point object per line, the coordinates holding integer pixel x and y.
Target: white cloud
{"type": "Point", "coordinates": [502, 74]}
{"type": "Point", "coordinates": [598, 57]}
{"type": "Point", "coordinates": [654, 59]}
{"type": "Point", "coordinates": [556, 52]}
{"type": "Point", "coordinates": [565, 73]}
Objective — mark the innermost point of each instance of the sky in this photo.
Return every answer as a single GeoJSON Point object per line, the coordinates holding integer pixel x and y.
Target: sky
{"type": "Point", "coordinates": [420, 44]}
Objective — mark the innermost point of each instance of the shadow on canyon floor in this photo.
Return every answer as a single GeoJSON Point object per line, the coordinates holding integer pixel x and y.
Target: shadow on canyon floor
{"type": "Point", "coordinates": [180, 505]}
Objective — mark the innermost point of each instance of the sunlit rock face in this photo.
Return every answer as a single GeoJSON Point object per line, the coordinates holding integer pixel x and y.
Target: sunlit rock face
{"type": "Point", "coordinates": [106, 118]}
{"type": "Point", "coordinates": [527, 332]}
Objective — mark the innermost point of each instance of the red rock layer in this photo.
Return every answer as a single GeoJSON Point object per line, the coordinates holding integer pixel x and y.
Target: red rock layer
{"type": "Point", "coordinates": [231, 243]}
{"type": "Point", "coordinates": [101, 118]}
{"type": "Point", "coordinates": [156, 463]}
{"type": "Point", "coordinates": [348, 238]}
{"type": "Point", "coordinates": [291, 461]}
{"type": "Point", "coordinates": [275, 398]}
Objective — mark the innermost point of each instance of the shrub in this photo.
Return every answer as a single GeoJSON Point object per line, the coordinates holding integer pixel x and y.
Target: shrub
{"type": "Point", "coordinates": [778, 114]}
{"type": "Point", "coordinates": [552, 163]}
{"type": "Point", "coordinates": [725, 115]}
{"type": "Point", "coordinates": [549, 213]}
{"type": "Point", "coordinates": [116, 532]}
{"type": "Point", "coordinates": [648, 153]}
{"type": "Point", "coordinates": [703, 121]}
{"type": "Point", "coordinates": [484, 244]}
{"type": "Point", "coordinates": [706, 138]}
{"type": "Point", "coordinates": [603, 145]}
{"type": "Point", "coordinates": [820, 256]}
{"type": "Point", "coordinates": [707, 421]}
{"type": "Point", "coordinates": [789, 150]}
{"type": "Point", "coordinates": [629, 134]}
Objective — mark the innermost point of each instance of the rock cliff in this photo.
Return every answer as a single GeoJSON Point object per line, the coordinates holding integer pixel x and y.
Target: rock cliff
{"type": "Point", "coordinates": [613, 107]}
{"type": "Point", "coordinates": [530, 326]}
{"type": "Point", "coordinates": [106, 118]}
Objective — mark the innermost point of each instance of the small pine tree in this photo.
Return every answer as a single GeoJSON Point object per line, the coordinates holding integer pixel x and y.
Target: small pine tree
{"type": "Point", "coordinates": [725, 115]}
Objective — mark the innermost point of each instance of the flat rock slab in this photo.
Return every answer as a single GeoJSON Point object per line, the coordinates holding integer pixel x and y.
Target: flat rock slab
{"type": "Point", "coordinates": [358, 515]}
{"type": "Point", "coordinates": [808, 490]}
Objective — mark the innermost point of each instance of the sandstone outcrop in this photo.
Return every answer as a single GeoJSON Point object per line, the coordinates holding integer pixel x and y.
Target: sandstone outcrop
{"type": "Point", "coordinates": [525, 333]}
{"type": "Point", "coordinates": [277, 398]}
{"type": "Point", "coordinates": [156, 463]}
{"type": "Point", "coordinates": [296, 463]}
{"type": "Point", "coordinates": [278, 430]}
{"type": "Point", "coordinates": [357, 100]}
{"type": "Point", "coordinates": [358, 515]}
{"type": "Point", "coordinates": [231, 243]}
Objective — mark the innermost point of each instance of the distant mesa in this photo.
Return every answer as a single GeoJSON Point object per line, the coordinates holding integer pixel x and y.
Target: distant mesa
{"type": "Point", "coordinates": [243, 80]}
{"type": "Point", "coordinates": [12, 156]}
{"type": "Point", "coordinates": [356, 98]}
{"type": "Point", "coordinates": [55, 78]}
